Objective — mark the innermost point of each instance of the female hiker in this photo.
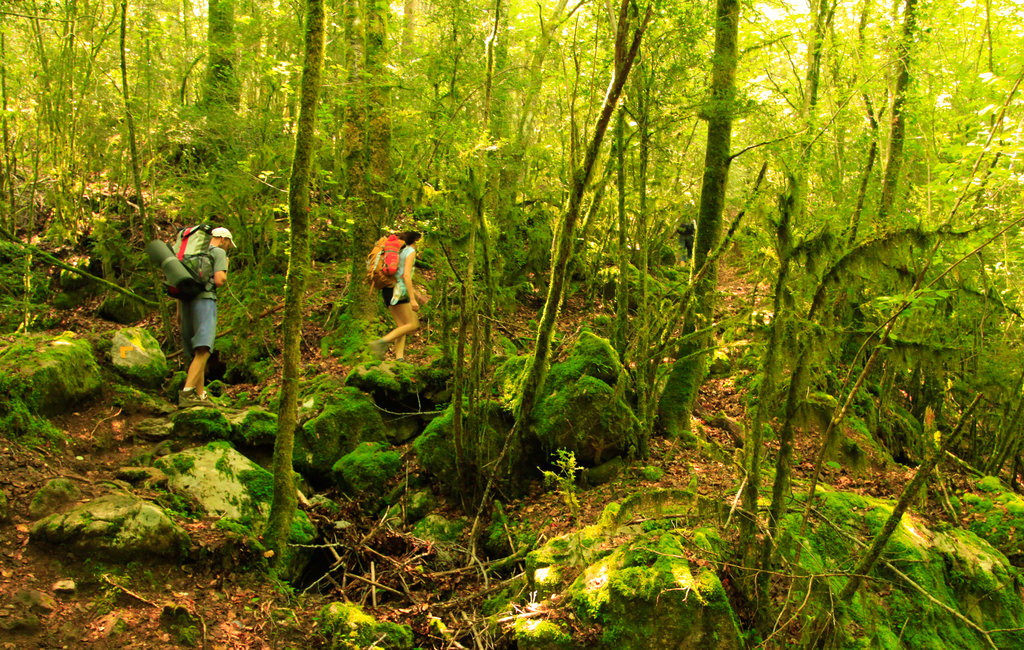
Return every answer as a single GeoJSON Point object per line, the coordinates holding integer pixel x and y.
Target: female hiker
{"type": "Point", "coordinates": [402, 300]}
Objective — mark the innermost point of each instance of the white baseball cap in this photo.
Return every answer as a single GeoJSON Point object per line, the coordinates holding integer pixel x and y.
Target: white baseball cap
{"type": "Point", "coordinates": [225, 233]}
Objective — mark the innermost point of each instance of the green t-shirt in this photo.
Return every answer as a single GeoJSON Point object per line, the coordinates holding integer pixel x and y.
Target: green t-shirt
{"type": "Point", "coordinates": [220, 263]}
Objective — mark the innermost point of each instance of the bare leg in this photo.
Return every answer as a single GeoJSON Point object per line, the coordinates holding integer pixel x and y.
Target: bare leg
{"type": "Point", "coordinates": [407, 322]}
{"type": "Point", "coordinates": [196, 376]}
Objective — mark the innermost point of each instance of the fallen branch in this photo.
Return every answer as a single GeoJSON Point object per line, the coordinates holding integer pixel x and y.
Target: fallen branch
{"type": "Point", "coordinates": [110, 581]}
{"type": "Point", "coordinates": [67, 267]}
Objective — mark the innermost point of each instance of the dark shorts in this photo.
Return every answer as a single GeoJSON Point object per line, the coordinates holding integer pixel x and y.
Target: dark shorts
{"type": "Point", "coordinates": [387, 292]}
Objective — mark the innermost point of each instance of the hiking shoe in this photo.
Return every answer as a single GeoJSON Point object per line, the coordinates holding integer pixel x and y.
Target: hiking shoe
{"type": "Point", "coordinates": [379, 348]}
{"type": "Point", "coordinates": [188, 398]}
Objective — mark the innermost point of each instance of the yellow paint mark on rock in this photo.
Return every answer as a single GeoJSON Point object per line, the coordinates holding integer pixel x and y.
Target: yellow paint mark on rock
{"type": "Point", "coordinates": [125, 349]}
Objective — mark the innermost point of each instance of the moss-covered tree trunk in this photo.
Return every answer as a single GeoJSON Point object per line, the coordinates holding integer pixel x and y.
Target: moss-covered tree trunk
{"type": "Point", "coordinates": [283, 506]}
{"type": "Point", "coordinates": [368, 142]}
{"type": "Point", "coordinates": [680, 392]}
{"type": "Point", "coordinates": [378, 135]}
{"type": "Point", "coordinates": [220, 87]}
{"type": "Point", "coordinates": [361, 303]}
{"type": "Point", "coordinates": [897, 129]}
{"type": "Point", "coordinates": [621, 289]}
{"type": "Point", "coordinates": [7, 179]}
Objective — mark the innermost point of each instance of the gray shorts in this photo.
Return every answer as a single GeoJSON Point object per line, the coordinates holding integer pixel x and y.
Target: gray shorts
{"type": "Point", "coordinates": [198, 324]}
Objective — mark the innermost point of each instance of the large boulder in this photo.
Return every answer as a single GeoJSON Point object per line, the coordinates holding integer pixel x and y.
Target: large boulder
{"type": "Point", "coordinates": [136, 355]}
{"type": "Point", "coordinates": [48, 374]}
{"type": "Point", "coordinates": [348, 418]}
{"type": "Point", "coordinates": [201, 423]}
{"type": "Point", "coordinates": [960, 571]}
{"type": "Point", "coordinates": [405, 393]}
{"type": "Point", "coordinates": [54, 495]}
{"type": "Point", "coordinates": [436, 450]}
{"type": "Point", "coordinates": [253, 427]}
{"type": "Point", "coordinates": [636, 589]}
{"type": "Point", "coordinates": [115, 527]}
{"type": "Point", "coordinates": [586, 407]}
{"type": "Point", "coordinates": [651, 596]}
{"type": "Point", "coordinates": [223, 481]}
{"type": "Point", "coordinates": [366, 470]}
{"type": "Point", "coordinates": [228, 486]}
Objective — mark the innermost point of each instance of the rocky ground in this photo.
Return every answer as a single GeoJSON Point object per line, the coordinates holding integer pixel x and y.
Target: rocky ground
{"type": "Point", "coordinates": [222, 596]}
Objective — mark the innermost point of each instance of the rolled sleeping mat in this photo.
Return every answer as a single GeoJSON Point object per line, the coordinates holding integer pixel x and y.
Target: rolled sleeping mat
{"type": "Point", "coordinates": [175, 273]}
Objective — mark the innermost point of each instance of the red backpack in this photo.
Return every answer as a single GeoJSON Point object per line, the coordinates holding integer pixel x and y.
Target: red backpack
{"type": "Point", "coordinates": [382, 262]}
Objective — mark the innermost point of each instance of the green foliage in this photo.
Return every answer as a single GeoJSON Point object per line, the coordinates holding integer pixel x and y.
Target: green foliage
{"type": "Point", "coordinates": [563, 479]}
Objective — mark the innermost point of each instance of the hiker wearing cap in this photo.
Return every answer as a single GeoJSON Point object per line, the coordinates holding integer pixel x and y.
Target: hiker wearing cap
{"type": "Point", "coordinates": [199, 322]}
{"type": "Point", "coordinates": [402, 300]}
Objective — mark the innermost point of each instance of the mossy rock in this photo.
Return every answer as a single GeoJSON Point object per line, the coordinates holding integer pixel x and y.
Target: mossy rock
{"type": "Point", "coordinates": [956, 567]}
{"type": "Point", "coordinates": [589, 418]}
{"type": "Point", "coordinates": [436, 528]}
{"type": "Point", "coordinates": [367, 469]}
{"type": "Point", "coordinates": [237, 492]}
{"type": "Point", "coordinates": [119, 308]}
{"type": "Point", "coordinates": [253, 427]}
{"type": "Point", "coordinates": [134, 401]}
{"type": "Point", "coordinates": [508, 379]}
{"type": "Point", "coordinates": [347, 627]}
{"type": "Point", "coordinates": [201, 423]}
{"type": "Point", "coordinates": [116, 527]}
{"type": "Point", "coordinates": [435, 448]}
{"type": "Point", "coordinates": [49, 375]}
{"type": "Point", "coordinates": [5, 507]}
{"type": "Point", "coordinates": [348, 419]}
{"type": "Point", "coordinates": [996, 514]}
{"type": "Point", "coordinates": [646, 594]}
{"type": "Point", "coordinates": [401, 387]}
{"type": "Point", "coordinates": [137, 356]}
{"type": "Point", "coordinates": [585, 408]}
{"type": "Point", "coordinates": [53, 496]}
{"type": "Point", "coordinates": [538, 634]}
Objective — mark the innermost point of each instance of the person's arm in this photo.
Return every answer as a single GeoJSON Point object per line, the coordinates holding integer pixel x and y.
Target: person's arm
{"type": "Point", "coordinates": [220, 266]}
{"type": "Point", "coordinates": [407, 279]}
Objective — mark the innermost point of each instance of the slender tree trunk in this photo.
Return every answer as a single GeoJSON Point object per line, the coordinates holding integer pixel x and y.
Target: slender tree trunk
{"type": "Point", "coordinates": [283, 506]}
{"type": "Point", "coordinates": [537, 370]}
{"type": "Point", "coordinates": [410, 9]}
{"type": "Point", "coordinates": [147, 225]}
{"type": "Point", "coordinates": [378, 136]}
{"type": "Point", "coordinates": [897, 130]}
{"type": "Point", "coordinates": [533, 379]}
{"type": "Point", "coordinates": [8, 198]}
{"type": "Point", "coordinates": [924, 470]}
{"type": "Point", "coordinates": [621, 289]}
{"type": "Point", "coordinates": [792, 207]}
{"type": "Point", "coordinates": [680, 392]}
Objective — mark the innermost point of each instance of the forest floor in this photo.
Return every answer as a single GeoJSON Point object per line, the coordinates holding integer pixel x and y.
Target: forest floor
{"type": "Point", "coordinates": [395, 576]}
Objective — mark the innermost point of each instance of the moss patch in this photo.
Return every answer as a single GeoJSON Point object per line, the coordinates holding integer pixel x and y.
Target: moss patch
{"type": "Point", "coordinates": [957, 567]}
{"type": "Point", "coordinates": [48, 374]}
{"type": "Point", "coordinates": [367, 469]}
{"type": "Point", "coordinates": [348, 419]}
{"type": "Point", "coordinates": [347, 627]}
